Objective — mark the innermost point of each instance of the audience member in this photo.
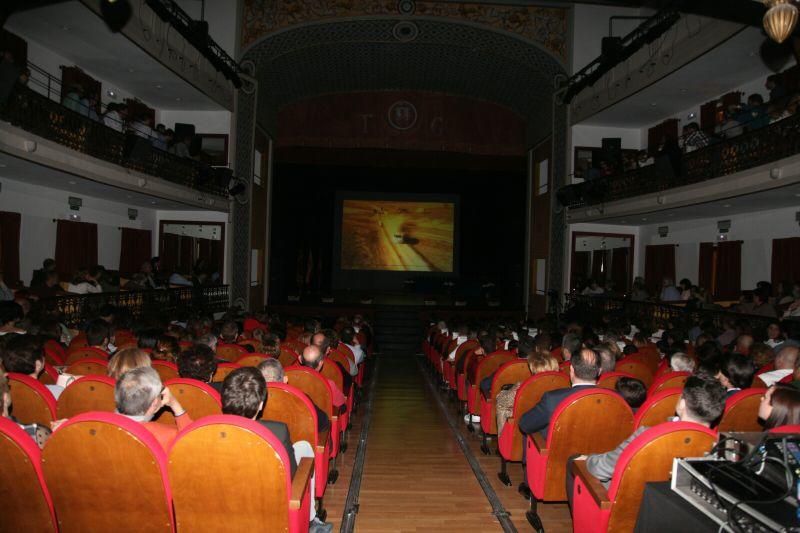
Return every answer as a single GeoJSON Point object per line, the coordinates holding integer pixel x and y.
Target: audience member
{"type": "Point", "coordinates": [538, 361]}
{"type": "Point", "coordinates": [312, 357]}
{"type": "Point", "coordinates": [125, 360]}
{"type": "Point", "coordinates": [736, 373]}
{"type": "Point", "coordinates": [200, 363]}
{"type": "Point", "coordinates": [669, 293]}
{"type": "Point", "coordinates": [780, 406]}
{"type": "Point", "coordinates": [680, 362]}
{"type": "Point", "coordinates": [785, 361]}
{"type": "Point", "coordinates": [272, 370]}
{"type": "Point", "coordinates": [632, 390]}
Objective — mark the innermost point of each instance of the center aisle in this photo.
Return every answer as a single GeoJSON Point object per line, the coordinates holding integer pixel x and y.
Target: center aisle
{"type": "Point", "coordinates": [415, 477]}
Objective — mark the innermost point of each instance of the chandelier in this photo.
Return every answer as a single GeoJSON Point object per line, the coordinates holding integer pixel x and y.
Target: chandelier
{"type": "Point", "coordinates": [780, 19]}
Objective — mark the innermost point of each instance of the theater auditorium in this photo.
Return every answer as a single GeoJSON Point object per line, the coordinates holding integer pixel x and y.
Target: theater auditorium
{"type": "Point", "coordinates": [395, 266]}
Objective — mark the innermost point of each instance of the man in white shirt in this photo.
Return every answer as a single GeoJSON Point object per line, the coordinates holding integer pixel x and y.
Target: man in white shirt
{"type": "Point", "coordinates": [348, 337]}
{"type": "Point", "coordinates": [785, 361]}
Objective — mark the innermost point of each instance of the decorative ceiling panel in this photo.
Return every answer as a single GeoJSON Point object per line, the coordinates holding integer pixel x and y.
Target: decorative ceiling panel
{"type": "Point", "coordinates": [546, 26]}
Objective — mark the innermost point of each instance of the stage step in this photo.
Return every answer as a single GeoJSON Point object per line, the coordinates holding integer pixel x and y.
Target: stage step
{"type": "Point", "coordinates": [397, 331]}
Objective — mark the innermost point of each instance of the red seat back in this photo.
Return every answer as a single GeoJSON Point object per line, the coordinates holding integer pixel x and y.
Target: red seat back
{"type": "Point", "coordinates": [253, 359]}
{"type": "Point", "coordinates": [166, 369]}
{"type": "Point", "coordinates": [198, 398]}
{"type": "Point", "coordinates": [88, 367]}
{"type": "Point", "coordinates": [31, 401]}
{"type": "Point", "coordinates": [314, 385]}
{"type": "Point", "coordinates": [223, 369]}
{"type": "Point", "coordinates": [608, 380]}
{"type": "Point", "coordinates": [741, 412]}
{"type": "Point", "coordinates": [291, 406]}
{"type": "Point", "coordinates": [637, 369]}
{"type": "Point", "coordinates": [671, 380]}
{"type": "Point", "coordinates": [25, 503]}
{"type": "Point", "coordinates": [230, 352]}
{"type": "Point", "coordinates": [89, 393]}
{"type": "Point", "coordinates": [84, 352]}
{"type": "Point", "coordinates": [658, 408]}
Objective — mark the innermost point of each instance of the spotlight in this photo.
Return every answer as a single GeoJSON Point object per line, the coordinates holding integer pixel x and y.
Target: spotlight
{"type": "Point", "coordinates": [116, 13]}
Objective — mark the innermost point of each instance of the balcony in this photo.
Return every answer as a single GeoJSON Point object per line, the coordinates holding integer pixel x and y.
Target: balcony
{"type": "Point", "coordinates": [46, 118]}
{"type": "Point", "coordinates": [730, 156]}
{"type": "Point", "coordinates": [74, 309]}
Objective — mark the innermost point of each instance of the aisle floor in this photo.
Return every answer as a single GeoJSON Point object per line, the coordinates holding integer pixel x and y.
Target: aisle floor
{"type": "Point", "coordinates": [416, 477]}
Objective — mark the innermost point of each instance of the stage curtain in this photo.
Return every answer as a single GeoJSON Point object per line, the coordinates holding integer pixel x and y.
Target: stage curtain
{"type": "Point", "coordinates": [619, 269]}
{"type": "Point", "coordinates": [705, 269]}
{"type": "Point", "coordinates": [76, 247]}
{"type": "Point", "coordinates": [9, 247]}
{"type": "Point", "coordinates": [785, 260]}
{"type": "Point", "coordinates": [729, 270]}
{"type": "Point", "coordinates": [136, 249]}
{"type": "Point", "coordinates": [659, 263]}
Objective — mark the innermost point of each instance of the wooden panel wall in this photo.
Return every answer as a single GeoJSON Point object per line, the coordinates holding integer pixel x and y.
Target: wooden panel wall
{"type": "Point", "coordinates": [540, 226]}
{"type": "Point", "coordinates": [258, 224]}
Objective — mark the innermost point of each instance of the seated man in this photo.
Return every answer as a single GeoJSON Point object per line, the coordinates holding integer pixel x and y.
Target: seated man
{"type": "Point", "coordinates": [785, 361]}
{"type": "Point", "coordinates": [229, 332]}
{"type": "Point", "coordinates": [736, 372]}
{"type": "Point", "coordinates": [571, 344]}
{"type": "Point", "coordinates": [349, 338]}
{"type": "Point", "coordinates": [312, 357]}
{"type": "Point", "coordinates": [139, 395]}
{"type": "Point", "coordinates": [24, 354]}
{"type": "Point", "coordinates": [200, 363]}
{"type": "Point", "coordinates": [632, 391]}
{"type": "Point", "coordinates": [583, 373]}
{"type": "Point", "coordinates": [244, 393]}
{"type": "Point", "coordinates": [272, 370]}
{"type": "Point", "coordinates": [327, 340]}
{"type": "Point", "coordinates": [702, 402]}
{"type": "Point", "coordinates": [98, 334]}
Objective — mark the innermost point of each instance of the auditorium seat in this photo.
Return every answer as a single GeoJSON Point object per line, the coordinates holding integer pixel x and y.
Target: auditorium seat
{"type": "Point", "coordinates": [593, 420]}
{"type": "Point", "coordinates": [514, 371]}
{"type": "Point", "coordinates": [291, 406]}
{"type": "Point", "coordinates": [253, 343]}
{"type": "Point", "coordinates": [461, 352]}
{"type": "Point", "coordinates": [786, 429]}
{"type": "Point", "coordinates": [253, 359]}
{"type": "Point", "coordinates": [741, 411]}
{"type": "Point", "coordinates": [78, 341]}
{"type": "Point", "coordinates": [228, 473]}
{"type": "Point", "coordinates": [198, 398]}
{"type": "Point", "coordinates": [461, 377]}
{"type": "Point", "coordinates": [563, 366]}
{"type": "Point", "coordinates": [658, 408]}
{"type": "Point", "coordinates": [288, 356]}
{"type": "Point", "coordinates": [334, 373]}
{"type": "Point", "coordinates": [52, 357]}
{"type": "Point", "coordinates": [636, 368]}
{"type": "Point", "coordinates": [89, 393]}
{"type": "Point", "coordinates": [648, 458]}
{"type": "Point", "coordinates": [230, 352]}
{"type": "Point", "coordinates": [510, 440]}
{"type": "Point", "coordinates": [166, 369]}
{"type": "Point", "coordinates": [223, 369]}
{"type": "Point", "coordinates": [25, 503]}
{"type": "Point", "coordinates": [88, 367]}
{"type": "Point", "coordinates": [758, 383]}
{"type": "Point", "coordinates": [185, 345]}
{"type": "Point", "coordinates": [31, 401]}
{"type": "Point", "coordinates": [649, 356]}
{"type": "Point", "coordinates": [485, 368]}
{"type": "Point", "coordinates": [319, 390]}
{"type": "Point", "coordinates": [49, 376]}
{"type": "Point", "coordinates": [55, 348]}
{"type": "Point", "coordinates": [608, 380]}
{"type": "Point", "coordinates": [668, 381]}
{"type": "Point", "coordinates": [84, 352]}
{"type": "Point", "coordinates": [106, 472]}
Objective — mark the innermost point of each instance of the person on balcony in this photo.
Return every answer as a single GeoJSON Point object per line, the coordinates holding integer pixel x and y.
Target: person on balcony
{"type": "Point", "coordinates": [776, 88]}
{"type": "Point", "coordinates": [89, 107]}
{"type": "Point", "coordinates": [142, 127]}
{"type": "Point", "coordinates": [761, 305]}
{"type": "Point", "coordinates": [72, 100]}
{"type": "Point", "coordinates": [669, 293]}
{"type": "Point", "coordinates": [694, 138]}
{"type": "Point", "coordinates": [114, 117]}
{"type": "Point", "coordinates": [592, 289]}
{"type": "Point", "coordinates": [86, 282]}
{"type": "Point", "coordinates": [9, 74]}
{"type": "Point", "coordinates": [48, 265]}
{"type": "Point", "coordinates": [50, 288]}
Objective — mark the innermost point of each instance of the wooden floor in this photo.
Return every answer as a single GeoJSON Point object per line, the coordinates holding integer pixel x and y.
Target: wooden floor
{"type": "Point", "coordinates": [416, 477]}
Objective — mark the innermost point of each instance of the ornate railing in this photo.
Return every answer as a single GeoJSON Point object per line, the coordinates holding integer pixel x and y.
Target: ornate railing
{"type": "Point", "coordinates": [748, 150]}
{"type": "Point", "coordinates": [171, 303]}
{"type": "Point", "coordinates": [648, 315]}
{"type": "Point", "coordinates": [36, 113]}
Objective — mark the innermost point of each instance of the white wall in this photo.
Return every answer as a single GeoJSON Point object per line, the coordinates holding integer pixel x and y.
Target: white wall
{"type": "Point", "coordinates": [222, 20]}
{"type": "Point", "coordinates": [756, 230]}
{"type": "Point", "coordinates": [204, 121]}
{"type": "Point", "coordinates": [590, 25]}
{"type": "Point", "coordinates": [40, 205]}
{"type": "Point", "coordinates": [592, 136]}
{"type": "Point", "coordinates": [197, 216]}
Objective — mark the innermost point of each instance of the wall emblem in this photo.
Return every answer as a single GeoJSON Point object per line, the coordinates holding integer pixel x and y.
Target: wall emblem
{"type": "Point", "coordinates": [402, 115]}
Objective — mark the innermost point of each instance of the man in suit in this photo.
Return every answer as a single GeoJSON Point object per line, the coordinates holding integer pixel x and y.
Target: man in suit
{"type": "Point", "coordinates": [583, 373]}
{"type": "Point", "coordinates": [244, 393]}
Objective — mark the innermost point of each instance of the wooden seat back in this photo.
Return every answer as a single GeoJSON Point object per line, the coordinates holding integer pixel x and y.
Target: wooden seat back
{"type": "Point", "coordinates": [649, 356]}
{"type": "Point", "coordinates": [198, 398]}
{"type": "Point", "coordinates": [88, 367]}
{"type": "Point", "coordinates": [89, 393]}
{"type": "Point", "coordinates": [658, 408]}
{"type": "Point", "coordinates": [166, 369]}
{"type": "Point", "coordinates": [56, 348]}
{"type": "Point", "coordinates": [758, 383]}
{"type": "Point", "coordinates": [338, 357]}
{"type": "Point", "coordinates": [332, 372]}
{"type": "Point", "coordinates": [291, 406]}
{"type": "Point", "coordinates": [594, 420]}
{"type": "Point", "coordinates": [514, 371]}
{"type": "Point", "coordinates": [86, 352]}
{"type": "Point", "coordinates": [649, 458]}
{"type": "Point", "coordinates": [608, 380]}
{"type": "Point", "coordinates": [741, 412]}
{"type": "Point", "coordinates": [253, 359]}
{"type": "Point", "coordinates": [486, 367]}
{"type": "Point", "coordinates": [97, 455]}
{"type": "Point", "coordinates": [25, 503]}
{"type": "Point", "coordinates": [528, 395]}
{"type": "Point", "coordinates": [49, 375]}
{"type": "Point", "coordinates": [636, 369]}
{"type": "Point", "coordinates": [465, 348]}
{"type": "Point", "coordinates": [288, 356]}
{"type": "Point", "coordinates": [230, 352]}
{"type": "Point", "coordinates": [314, 385]}
{"type": "Point", "coordinates": [223, 369]}
{"type": "Point", "coordinates": [217, 487]}
{"type": "Point", "coordinates": [31, 401]}
{"type": "Point", "coordinates": [671, 380]}
{"type": "Point", "coordinates": [52, 357]}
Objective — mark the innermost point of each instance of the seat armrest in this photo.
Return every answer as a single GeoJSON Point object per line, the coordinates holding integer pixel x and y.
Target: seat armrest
{"type": "Point", "coordinates": [510, 420]}
{"type": "Point", "coordinates": [540, 443]}
{"type": "Point", "coordinates": [300, 482]}
{"type": "Point", "coordinates": [598, 492]}
{"type": "Point", "coordinates": [322, 439]}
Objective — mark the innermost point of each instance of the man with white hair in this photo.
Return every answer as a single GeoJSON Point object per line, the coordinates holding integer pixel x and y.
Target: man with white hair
{"type": "Point", "coordinates": [785, 361]}
{"type": "Point", "coordinates": [272, 370]}
{"type": "Point", "coordinates": [139, 395]}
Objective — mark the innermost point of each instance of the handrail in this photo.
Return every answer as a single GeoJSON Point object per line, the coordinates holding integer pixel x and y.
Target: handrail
{"type": "Point", "coordinates": [73, 309]}
{"type": "Point", "coordinates": [647, 315]}
{"type": "Point", "coordinates": [41, 116]}
{"type": "Point", "coordinates": [735, 154]}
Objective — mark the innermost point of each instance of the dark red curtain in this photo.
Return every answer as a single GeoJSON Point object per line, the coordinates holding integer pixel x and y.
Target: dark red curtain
{"type": "Point", "coordinates": [168, 255]}
{"type": "Point", "coordinates": [9, 247]}
{"type": "Point", "coordinates": [705, 270]}
{"type": "Point", "coordinates": [598, 270]}
{"type": "Point", "coordinates": [186, 255]}
{"type": "Point", "coordinates": [580, 267]}
{"type": "Point", "coordinates": [659, 263]}
{"type": "Point", "coordinates": [136, 249]}
{"type": "Point", "coordinates": [76, 247]}
{"type": "Point", "coordinates": [785, 260]}
{"type": "Point", "coordinates": [620, 261]}
{"type": "Point", "coordinates": [729, 270]}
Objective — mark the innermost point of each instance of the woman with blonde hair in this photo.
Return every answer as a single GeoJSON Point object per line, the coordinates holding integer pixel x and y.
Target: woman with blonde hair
{"type": "Point", "coordinates": [538, 361]}
{"type": "Point", "coordinates": [125, 360]}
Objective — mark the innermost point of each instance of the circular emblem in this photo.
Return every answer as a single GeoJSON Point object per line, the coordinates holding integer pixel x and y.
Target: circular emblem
{"type": "Point", "coordinates": [402, 115]}
{"type": "Point", "coordinates": [405, 31]}
{"type": "Point", "coordinates": [406, 7]}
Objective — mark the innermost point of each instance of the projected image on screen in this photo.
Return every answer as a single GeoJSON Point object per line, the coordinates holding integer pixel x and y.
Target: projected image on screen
{"type": "Point", "coordinates": [397, 235]}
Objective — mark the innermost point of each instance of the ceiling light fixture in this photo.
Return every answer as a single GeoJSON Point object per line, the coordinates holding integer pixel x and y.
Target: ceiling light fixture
{"type": "Point", "coordinates": [116, 13]}
{"type": "Point", "coordinates": [780, 19]}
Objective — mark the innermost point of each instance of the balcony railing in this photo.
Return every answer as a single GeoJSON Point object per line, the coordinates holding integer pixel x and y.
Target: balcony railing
{"type": "Point", "coordinates": [754, 148]}
{"type": "Point", "coordinates": [648, 315]}
{"type": "Point", "coordinates": [171, 303]}
{"type": "Point", "coordinates": [36, 113]}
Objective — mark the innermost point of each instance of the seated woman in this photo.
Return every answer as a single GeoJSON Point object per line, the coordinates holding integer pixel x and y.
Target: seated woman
{"type": "Point", "coordinates": [167, 349]}
{"type": "Point", "coordinates": [780, 406]}
{"type": "Point", "coordinates": [125, 360]}
{"type": "Point", "coordinates": [539, 361]}
{"type": "Point", "coordinates": [85, 282]}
